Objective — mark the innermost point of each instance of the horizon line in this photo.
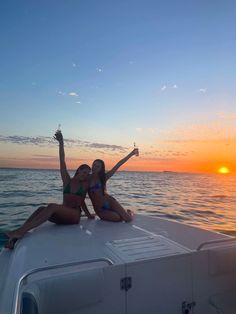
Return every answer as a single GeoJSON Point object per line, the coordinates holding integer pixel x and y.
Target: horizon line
{"type": "Point", "coordinates": [151, 171]}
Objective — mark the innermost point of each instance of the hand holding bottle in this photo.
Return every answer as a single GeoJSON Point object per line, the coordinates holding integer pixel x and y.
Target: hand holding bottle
{"type": "Point", "coordinates": [136, 151]}
{"type": "Point", "coordinates": [58, 135]}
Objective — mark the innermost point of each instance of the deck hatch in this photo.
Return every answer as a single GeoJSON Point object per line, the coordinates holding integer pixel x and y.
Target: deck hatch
{"type": "Point", "coordinates": [142, 248]}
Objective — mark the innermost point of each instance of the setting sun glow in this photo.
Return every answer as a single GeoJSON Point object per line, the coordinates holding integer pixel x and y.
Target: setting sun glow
{"type": "Point", "coordinates": [223, 170]}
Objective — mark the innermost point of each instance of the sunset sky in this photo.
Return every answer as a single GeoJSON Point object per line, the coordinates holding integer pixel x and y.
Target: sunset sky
{"type": "Point", "coordinates": [158, 73]}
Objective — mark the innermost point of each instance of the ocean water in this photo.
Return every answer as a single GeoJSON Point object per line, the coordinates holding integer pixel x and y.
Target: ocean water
{"type": "Point", "coordinates": [204, 200]}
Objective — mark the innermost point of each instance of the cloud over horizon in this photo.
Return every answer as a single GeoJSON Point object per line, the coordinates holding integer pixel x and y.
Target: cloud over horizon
{"type": "Point", "coordinates": [49, 141]}
{"type": "Point", "coordinates": [226, 115]}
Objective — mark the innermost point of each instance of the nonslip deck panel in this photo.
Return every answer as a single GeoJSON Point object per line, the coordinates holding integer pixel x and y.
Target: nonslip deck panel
{"type": "Point", "coordinates": [141, 248]}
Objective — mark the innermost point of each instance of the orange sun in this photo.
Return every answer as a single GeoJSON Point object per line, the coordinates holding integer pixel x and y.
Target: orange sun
{"type": "Point", "coordinates": [223, 170]}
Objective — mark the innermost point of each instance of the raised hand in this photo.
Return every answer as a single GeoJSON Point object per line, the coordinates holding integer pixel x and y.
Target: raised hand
{"type": "Point", "coordinates": [134, 152]}
{"type": "Point", "coordinates": [58, 136]}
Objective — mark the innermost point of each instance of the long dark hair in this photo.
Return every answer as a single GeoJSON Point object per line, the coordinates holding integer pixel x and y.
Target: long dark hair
{"type": "Point", "coordinates": [81, 167]}
{"type": "Point", "coordinates": [102, 175]}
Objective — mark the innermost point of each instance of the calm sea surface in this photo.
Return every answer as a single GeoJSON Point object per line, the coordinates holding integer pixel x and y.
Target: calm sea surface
{"type": "Point", "coordinates": [204, 200]}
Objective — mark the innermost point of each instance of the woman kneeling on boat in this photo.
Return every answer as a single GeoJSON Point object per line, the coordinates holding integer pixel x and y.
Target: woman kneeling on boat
{"type": "Point", "coordinates": [106, 206]}
{"type": "Point", "coordinates": [74, 192]}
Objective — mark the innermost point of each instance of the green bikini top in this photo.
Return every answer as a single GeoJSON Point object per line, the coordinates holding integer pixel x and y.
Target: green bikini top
{"type": "Point", "coordinates": [80, 192]}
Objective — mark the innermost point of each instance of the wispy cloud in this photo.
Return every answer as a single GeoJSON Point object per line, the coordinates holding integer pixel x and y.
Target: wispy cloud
{"type": "Point", "coordinates": [215, 129]}
{"type": "Point", "coordinates": [164, 153]}
{"type": "Point", "coordinates": [107, 147]}
{"type": "Point", "coordinates": [147, 130]}
{"type": "Point", "coordinates": [227, 115]}
{"type": "Point", "coordinates": [164, 87]}
{"type": "Point", "coordinates": [159, 159]}
{"type": "Point", "coordinates": [50, 141]}
{"type": "Point", "coordinates": [202, 90]}
{"type": "Point", "coordinates": [43, 156]}
{"type": "Point", "coordinates": [152, 130]}
{"type": "Point", "coordinates": [50, 158]}
{"type": "Point", "coordinates": [73, 94]}
{"type": "Point", "coordinates": [26, 140]}
{"type": "Point", "coordinates": [206, 141]}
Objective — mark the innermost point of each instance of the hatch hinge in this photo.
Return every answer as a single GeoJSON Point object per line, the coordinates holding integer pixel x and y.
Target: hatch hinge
{"type": "Point", "coordinates": [187, 307]}
{"type": "Point", "coordinates": [125, 283]}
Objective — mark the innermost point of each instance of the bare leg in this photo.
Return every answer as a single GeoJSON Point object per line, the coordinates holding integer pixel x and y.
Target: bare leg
{"type": "Point", "coordinates": [35, 213]}
{"type": "Point", "coordinates": [110, 216]}
{"type": "Point", "coordinates": [12, 241]}
{"type": "Point", "coordinates": [118, 209]}
{"type": "Point", "coordinates": [66, 215]}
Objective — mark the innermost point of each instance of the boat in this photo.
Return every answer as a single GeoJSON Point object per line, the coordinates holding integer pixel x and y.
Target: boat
{"type": "Point", "coordinates": [151, 265]}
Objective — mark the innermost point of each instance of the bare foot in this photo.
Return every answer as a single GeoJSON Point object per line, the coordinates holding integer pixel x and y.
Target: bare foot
{"type": "Point", "coordinates": [130, 212]}
{"type": "Point", "coordinates": [10, 243]}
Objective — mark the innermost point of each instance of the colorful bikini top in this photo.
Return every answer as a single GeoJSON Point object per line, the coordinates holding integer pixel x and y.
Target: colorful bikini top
{"type": "Point", "coordinates": [95, 187]}
{"type": "Point", "coordinates": [80, 192]}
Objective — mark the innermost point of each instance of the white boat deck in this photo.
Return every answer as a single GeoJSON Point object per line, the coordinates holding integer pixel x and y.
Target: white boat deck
{"type": "Point", "coordinates": [52, 244]}
{"type": "Point", "coordinates": [104, 243]}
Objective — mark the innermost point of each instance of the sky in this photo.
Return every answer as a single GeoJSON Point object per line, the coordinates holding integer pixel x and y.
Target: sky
{"type": "Point", "coordinates": [158, 73]}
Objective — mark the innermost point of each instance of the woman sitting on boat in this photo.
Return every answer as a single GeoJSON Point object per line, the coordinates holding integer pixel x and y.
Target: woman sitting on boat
{"type": "Point", "coordinates": [74, 192]}
{"type": "Point", "coordinates": [106, 206]}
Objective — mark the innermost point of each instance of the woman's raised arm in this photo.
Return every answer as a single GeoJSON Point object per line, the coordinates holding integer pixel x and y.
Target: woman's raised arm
{"type": "Point", "coordinates": [64, 173]}
{"type": "Point", "coordinates": [119, 164]}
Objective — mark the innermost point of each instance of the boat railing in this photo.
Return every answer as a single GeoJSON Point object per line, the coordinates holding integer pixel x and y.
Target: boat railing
{"type": "Point", "coordinates": [52, 267]}
{"type": "Point", "coordinates": [223, 240]}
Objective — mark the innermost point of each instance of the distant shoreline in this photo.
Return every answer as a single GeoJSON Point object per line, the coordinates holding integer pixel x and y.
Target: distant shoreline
{"type": "Point", "coordinates": [57, 169]}
{"type": "Point", "coordinates": [137, 171]}
{"type": "Point", "coordinates": [129, 171]}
